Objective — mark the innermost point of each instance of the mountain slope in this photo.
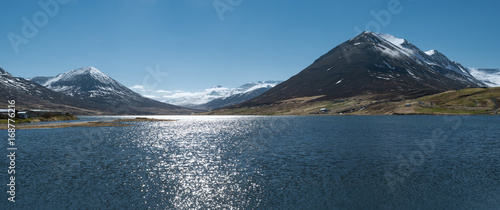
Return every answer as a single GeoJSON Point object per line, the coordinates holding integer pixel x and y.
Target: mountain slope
{"type": "Point", "coordinates": [490, 77]}
{"type": "Point", "coordinates": [28, 94]}
{"type": "Point", "coordinates": [378, 65]}
{"type": "Point", "coordinates": [92, 85]}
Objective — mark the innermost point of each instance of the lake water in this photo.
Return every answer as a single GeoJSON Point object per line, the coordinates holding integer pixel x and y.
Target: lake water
{"type": "Point", "coordinates": [248, 162]}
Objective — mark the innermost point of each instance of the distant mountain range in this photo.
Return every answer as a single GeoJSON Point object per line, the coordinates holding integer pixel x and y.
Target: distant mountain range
{"type": "Point", "coordinates": [82, 91]}
{"type": "Point", "coordinates": [90, 91]}
{"type": "Point", "coordinates": [210, 98]}
{"type": "Point", "coordinates": [370, 66]}
{"type": "Point", "coordinates": [256, 89]}
{"type": "Point", "coordinates": [490, 77]}
{"type": "Point", "coordinates": [378, 66]}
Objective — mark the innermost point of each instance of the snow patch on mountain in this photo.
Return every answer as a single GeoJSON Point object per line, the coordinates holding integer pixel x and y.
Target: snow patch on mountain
{"type": "Point", "coordinates": [430, 52]}
{"type": "Point", "coordinates": [400, 46]}
{"type": "Point", "coordinates": [396, 41]}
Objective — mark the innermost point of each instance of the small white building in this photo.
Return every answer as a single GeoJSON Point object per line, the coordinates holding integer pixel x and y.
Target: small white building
{"type": "Point", "coordinates": [22, 115]}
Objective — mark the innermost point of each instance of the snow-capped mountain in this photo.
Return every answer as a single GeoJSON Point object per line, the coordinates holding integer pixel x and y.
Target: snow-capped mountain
{"type": "Point", "coordinates": [376, 65]}
{"type": "Point", "coordinates": [490, 77]}
{"type": "Point", "coordinates": [90, 84]}
{"type": "Point", "coordinates": [86, 83]}
{"type": "Point", "coordinates": [210, 98]}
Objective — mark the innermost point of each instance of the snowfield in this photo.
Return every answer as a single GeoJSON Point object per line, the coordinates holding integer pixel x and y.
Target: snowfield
{"type": "Point", "coordinates": [490, 77]}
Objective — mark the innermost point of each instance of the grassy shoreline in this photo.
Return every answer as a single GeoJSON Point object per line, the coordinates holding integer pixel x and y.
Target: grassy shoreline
{"type": "Point", "coordinates": [113, 123]}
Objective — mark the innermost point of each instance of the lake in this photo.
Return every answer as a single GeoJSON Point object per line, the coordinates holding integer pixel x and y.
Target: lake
{"type": "Point", "coordinates": [251, 162]}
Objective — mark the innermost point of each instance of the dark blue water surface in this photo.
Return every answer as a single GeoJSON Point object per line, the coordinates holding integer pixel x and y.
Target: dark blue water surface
{"type": "Point", "coordinates": [290, 162]}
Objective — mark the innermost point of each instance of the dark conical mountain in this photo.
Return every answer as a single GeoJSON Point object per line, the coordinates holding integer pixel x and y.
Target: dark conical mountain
{"type": "Point", "coordinates": [378, 65]}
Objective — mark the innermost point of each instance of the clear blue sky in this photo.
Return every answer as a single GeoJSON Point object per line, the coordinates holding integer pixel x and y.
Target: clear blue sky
{"type": "Point", "coordinates": [257, 40]}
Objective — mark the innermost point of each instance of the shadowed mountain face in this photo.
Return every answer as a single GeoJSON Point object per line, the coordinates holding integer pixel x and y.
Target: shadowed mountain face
{"type": "Point", "coordinates": [28, 94]}
{"type": "Point", "coordinates": [375, 64]}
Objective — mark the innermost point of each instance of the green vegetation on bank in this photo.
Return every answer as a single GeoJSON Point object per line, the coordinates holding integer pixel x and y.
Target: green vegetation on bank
{"type": "Point", "coordinates": [465, 101]}
{"type": "Point", "coordinates": [471, 97]}
{"type": "Point", "coordinates": [449, 111]}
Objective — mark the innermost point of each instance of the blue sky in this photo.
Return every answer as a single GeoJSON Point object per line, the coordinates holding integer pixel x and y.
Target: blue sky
{"type": "Point", "coordinates": [257, 40]}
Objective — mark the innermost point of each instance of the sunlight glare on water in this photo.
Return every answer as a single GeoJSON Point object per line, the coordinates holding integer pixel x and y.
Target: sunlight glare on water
{"type": "Point", "coordinates": [191, 163]}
